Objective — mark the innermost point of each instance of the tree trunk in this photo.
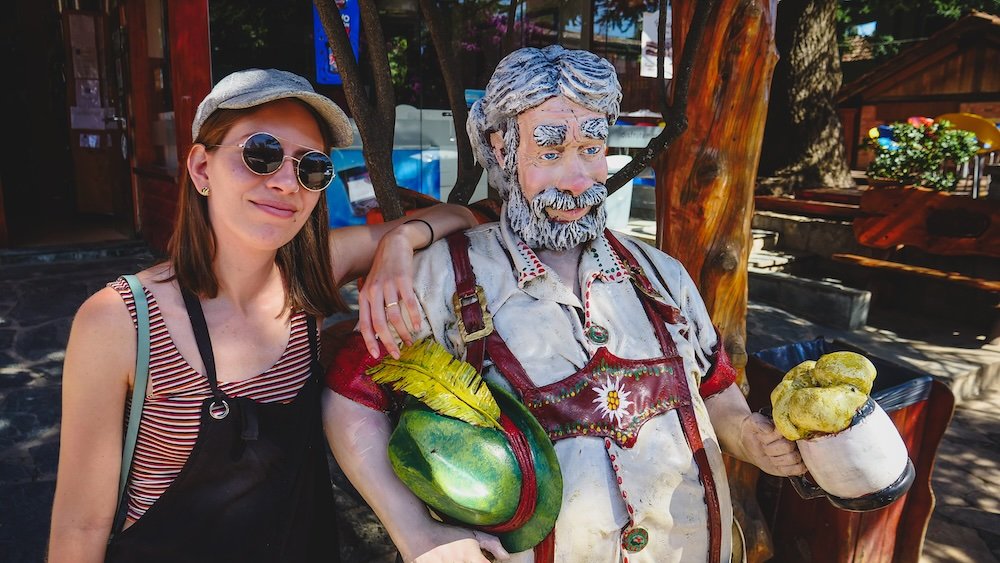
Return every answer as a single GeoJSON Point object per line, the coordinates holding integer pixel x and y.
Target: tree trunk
{"type": "Point", "coordinates": [705, 184]}
{"type": "Point", "coordinates": [376, 121]}
{"type": "Point", "coordinates": [803, 139]}
{"type": "Point", "coordinates": [469, 171]}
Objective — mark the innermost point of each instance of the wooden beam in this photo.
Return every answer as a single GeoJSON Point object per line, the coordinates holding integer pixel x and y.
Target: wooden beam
{"type": "Point", "coordinates": [190, 65]}
{"type": "Point", "coordinates": [992, 286]}
{"type": "Point", "coordinates": [808, 208]}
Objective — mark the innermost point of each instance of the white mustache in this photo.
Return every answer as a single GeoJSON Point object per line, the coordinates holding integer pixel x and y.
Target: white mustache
{"type": "Point", "coordinates": [561, 201]}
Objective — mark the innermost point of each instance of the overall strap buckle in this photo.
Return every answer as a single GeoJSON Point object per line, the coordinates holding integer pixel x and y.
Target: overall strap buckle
{"type": "Point", "coordinates": [461, 300]}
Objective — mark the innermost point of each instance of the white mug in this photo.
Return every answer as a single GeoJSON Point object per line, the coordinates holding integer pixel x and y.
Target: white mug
{"type": "Point", "coordinates": [864, 467]}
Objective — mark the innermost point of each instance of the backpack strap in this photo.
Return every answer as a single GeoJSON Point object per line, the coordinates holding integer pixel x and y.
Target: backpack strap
{"type": "Point", "coordinates": [138, 396]}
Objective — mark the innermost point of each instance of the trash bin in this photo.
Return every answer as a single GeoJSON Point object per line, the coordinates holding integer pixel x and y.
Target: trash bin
{"type": "Point", "coordinates": [816, 531]}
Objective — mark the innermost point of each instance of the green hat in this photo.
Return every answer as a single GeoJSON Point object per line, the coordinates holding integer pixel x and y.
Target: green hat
{"type": "Point", "coordinates": [471, 474]}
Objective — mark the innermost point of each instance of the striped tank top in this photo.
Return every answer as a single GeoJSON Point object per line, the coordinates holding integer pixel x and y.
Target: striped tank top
{"type": "Point", "coordinates": [168, 428]}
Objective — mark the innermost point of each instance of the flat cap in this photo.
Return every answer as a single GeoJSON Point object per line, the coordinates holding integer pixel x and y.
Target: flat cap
{"type": "Point", "coordinates": [252, 87]}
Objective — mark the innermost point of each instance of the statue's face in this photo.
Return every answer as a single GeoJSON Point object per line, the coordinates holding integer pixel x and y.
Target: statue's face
{"type": "Point", "coordinates": [561, 170]}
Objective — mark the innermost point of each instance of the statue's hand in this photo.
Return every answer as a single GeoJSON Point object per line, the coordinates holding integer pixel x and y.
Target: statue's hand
{"type": "Point", "coordinates": [448, 544]}
{"type": "Point", "coordinates": [766, 448]}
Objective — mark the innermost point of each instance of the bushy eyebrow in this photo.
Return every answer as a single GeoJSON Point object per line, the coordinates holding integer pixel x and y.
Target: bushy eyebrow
{"type": "Point", "coordinates": [550, 135]}
{"type": "Point", "coordinates": [595, 128]}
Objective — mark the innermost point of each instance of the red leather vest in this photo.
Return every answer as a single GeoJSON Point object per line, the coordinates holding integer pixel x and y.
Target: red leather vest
{"type": "Point", "coordinates": [610, 397]}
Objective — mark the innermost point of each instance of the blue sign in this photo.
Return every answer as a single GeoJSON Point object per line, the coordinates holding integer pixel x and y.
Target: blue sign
{"type": "Point", "coordinates": [326, 64]}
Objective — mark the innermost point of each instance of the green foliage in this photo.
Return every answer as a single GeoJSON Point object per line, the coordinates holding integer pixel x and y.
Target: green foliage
{"type": "Point", "coordinates": [396, 53]}
{"type": "Point", "coordinates": [923, 154]}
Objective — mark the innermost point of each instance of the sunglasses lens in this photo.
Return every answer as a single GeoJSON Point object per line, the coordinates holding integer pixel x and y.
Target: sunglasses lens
{"type": "Point", "coordinates": [315, 171]}
{"type": "Point", "coordinates": [262, 153]}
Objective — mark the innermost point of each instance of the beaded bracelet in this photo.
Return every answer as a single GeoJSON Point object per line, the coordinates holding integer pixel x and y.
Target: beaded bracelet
{"type": "Point", "coordinates": [430, 242]}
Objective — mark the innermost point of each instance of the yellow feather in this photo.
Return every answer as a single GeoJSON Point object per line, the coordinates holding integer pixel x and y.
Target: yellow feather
{"type": "Point", "coordinates": [450, 386]}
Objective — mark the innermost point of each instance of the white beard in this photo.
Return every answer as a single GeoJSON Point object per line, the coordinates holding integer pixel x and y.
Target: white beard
{"type": "Point", "coordinates": [530, 221]}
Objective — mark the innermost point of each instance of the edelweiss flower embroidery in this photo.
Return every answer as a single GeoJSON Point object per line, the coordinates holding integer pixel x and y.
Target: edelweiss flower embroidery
{"type": "Point", "coordinates": [612, 400]}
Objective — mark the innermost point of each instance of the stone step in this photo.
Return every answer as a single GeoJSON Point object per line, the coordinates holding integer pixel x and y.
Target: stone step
{"type": "Point", "coordinates": [75, 253]}
{"type": "Point", "coordinates": [822, 237]}
{"type": "Point", "coordinates": [762, 239]}
{"type": "Point", "coordinates": [772, 260]}
{"type": "Point", "coordinates": [822, 301]}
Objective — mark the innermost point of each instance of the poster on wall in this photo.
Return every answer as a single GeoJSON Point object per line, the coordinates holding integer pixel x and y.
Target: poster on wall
{"type": "Point", "coordinates": [326, 63]}
{"type": "Point", "coordinates": [650, 21]}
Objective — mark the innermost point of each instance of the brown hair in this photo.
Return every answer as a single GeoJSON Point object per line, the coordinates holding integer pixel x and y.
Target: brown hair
{"type": "Point", "coordinates": [304, 262]}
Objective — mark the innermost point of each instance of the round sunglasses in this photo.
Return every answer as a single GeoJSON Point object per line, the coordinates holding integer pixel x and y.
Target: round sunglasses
{"type": "Point", "coordinates": [263, 155]}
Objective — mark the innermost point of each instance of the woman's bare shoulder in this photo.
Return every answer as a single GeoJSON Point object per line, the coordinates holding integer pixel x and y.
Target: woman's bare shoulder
{"type": "Point", "coordinates": [105, 312]}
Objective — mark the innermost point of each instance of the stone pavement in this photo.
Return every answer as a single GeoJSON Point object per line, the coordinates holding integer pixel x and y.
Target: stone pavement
{"type": "Point", "coordinates": [38, 300]}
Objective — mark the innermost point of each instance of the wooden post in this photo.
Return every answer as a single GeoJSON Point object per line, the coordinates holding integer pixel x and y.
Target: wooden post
{"type": "Point", "coordinates": [705, 184]}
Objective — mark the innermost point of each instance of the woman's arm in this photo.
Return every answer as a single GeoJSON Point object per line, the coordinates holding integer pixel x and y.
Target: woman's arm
{"type": "Point", "coordinates": [358, 437]}
{"type": "Point", "coordinates": [100, 357]}
{"type": "Point", "coordinates": [387, 249]}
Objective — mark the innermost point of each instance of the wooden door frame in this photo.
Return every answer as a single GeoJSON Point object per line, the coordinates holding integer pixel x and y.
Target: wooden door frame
{"type": "Point", "coordinates": [4, 241]}
{"type": "Point", "coordinates": [190, 65]}
{"type": "Point", "coordinates": [187, 28]}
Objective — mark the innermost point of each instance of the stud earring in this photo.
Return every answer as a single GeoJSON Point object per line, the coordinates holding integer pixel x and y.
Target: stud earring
{"type": "Point", "coordinates": [205, 190]}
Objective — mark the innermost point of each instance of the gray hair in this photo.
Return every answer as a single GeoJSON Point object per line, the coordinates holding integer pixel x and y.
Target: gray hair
{"type": "Point", "coordinates": [525, 79]}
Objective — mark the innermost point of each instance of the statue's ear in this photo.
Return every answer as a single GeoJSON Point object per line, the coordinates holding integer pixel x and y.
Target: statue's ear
{"type": "Point", "coordinates": [496, 141]}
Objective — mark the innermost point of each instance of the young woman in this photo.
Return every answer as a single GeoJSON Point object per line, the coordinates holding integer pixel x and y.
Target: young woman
{"type": "Point", "coordinates": [230, 459]}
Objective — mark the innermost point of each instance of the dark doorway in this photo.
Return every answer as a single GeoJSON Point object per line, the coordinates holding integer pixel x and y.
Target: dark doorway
{"type": "Point", "coordinates": [64, 170]}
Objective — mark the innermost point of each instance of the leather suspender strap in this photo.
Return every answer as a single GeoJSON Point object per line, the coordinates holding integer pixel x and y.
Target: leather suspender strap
{"type": "Point", "coordinates": [671, 315]}
{"type": "Point", "coordinates": [470, 308]}
{"type": "Point", "coordinates": [689, 422]}
{"type": "Point", "coordinates": [508, 364]}
{"type": "Point", "coordinates": [467, 299]}
{"type": "Point", "coordinates": [477, 329]}
{"type": "Point", "coordinates": [690, 425]}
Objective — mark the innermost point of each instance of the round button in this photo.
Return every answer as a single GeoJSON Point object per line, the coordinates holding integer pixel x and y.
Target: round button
{"type": "Point", "coordinates": [597, 334]}
{"type": "Point", "coordinates": [635, 539]}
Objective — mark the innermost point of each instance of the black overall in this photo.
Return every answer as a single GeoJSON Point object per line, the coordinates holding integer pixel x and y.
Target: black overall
{"type": "Point", "coordinates": [256, 486]}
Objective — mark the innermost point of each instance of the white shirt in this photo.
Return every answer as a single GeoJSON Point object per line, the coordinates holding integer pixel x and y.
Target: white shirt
{"type": "Point", "coordinates": [545, 326]}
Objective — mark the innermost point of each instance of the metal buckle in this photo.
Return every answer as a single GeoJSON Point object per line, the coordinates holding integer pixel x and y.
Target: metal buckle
{"type": "Point", "coordinates": [460, 302]}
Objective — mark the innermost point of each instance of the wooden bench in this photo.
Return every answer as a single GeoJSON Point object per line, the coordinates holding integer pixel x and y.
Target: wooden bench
{"type": "Point", "coordinates": [947, 228]}
{"type": "Point", "coordinates": [835, 210]}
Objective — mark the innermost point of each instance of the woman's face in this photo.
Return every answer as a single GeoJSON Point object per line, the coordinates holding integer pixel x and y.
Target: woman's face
{"type": "Point", "coordinates": [262, 212]}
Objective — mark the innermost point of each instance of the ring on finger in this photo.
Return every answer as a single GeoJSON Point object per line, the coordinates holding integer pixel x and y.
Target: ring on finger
{"type": "Point", "coordinates": [394, 303]}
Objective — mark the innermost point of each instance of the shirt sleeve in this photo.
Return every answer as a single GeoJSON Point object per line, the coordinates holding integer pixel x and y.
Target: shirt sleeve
{"type": "Point", "coordinates": [347, 372]}
{"type": "Point", "coordinates": [721, 373]}
{"type": "Point", "coordinates": [346, 375]}
{"type": "Point", "coordinates": [704, 337]}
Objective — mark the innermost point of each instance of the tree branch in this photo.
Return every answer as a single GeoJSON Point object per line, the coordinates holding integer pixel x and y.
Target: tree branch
{"type": "Point", "coordinates": [675, 115]}
{"type": "Point", "coordinates": [508, 45]}
{"type": "Point", "coordinates": [661, 55]}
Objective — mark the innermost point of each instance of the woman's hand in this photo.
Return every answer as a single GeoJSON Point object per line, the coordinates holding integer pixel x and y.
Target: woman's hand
{"type": "Point", "coordinates": [387, 298]}
{"type": "Point", "coordinates": [449, 544]}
